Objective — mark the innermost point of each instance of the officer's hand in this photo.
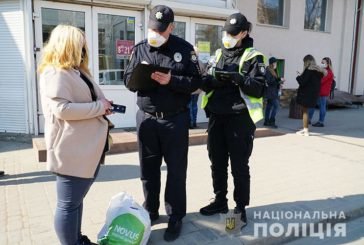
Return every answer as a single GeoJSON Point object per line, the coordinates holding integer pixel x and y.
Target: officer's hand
{"type": "Point", "coordinates": [161, 78]}
{"type": "Point", "coordinates": [238, 79]}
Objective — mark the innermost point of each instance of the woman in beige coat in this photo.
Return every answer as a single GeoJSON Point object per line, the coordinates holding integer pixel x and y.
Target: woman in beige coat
{"type": "Point", "coordinates": [74, 109]}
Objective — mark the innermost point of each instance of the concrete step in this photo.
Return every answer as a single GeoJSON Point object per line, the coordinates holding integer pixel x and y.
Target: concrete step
{"type": "Point", "coordinates": [124, 141]}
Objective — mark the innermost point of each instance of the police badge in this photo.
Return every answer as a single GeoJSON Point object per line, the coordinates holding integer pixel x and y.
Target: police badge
{"type": "Point", "coordinates": [177, 57]}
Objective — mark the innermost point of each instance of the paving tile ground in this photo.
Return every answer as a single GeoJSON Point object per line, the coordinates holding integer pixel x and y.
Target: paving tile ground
{"type": "Point", "coordinates": [322, 173]}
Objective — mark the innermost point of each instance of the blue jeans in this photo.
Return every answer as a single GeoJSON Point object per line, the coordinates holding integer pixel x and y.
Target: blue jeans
{"type": "Point", "coordinates": [322, 102]}
{"type": "Point", "coordinates": [271, 109]}
{"type": "Point", "coordinates": [68, 218]}
{"type": "Point", "coordinates": [193, 108]}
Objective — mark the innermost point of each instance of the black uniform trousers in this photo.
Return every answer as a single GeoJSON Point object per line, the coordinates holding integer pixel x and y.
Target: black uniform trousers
{"type": "Point", "coordinates": [228, 137]}
{"type": "Point", "coordinates": [164, 138]}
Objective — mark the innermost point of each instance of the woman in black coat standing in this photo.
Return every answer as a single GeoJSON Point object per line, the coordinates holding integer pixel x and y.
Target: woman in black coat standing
{"type": "Point", "coordinates": [309, 88]}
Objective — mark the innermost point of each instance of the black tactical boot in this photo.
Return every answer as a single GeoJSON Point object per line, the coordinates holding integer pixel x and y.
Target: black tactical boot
{"type": "Point", "coordinates": [215, 207]}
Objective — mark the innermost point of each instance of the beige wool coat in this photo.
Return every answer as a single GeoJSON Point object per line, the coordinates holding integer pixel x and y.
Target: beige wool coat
{"type": "Point", "coordinates": [75, 130]}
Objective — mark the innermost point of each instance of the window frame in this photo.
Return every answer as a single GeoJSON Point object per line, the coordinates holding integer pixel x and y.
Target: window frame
{"type": "Point", "coordinates": [285, 9]}
{"type": "Point", "coordinates": [328, 17]}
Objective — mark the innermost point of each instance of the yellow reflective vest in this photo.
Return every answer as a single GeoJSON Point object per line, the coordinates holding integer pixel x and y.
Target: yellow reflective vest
{"type": "Point", "coordinates": [254, 105]}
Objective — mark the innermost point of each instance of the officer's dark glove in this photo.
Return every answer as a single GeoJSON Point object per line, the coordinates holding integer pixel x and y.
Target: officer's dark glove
{"type": "Point", "coordinates": [238, 79]}
{"type": "Point", "coordinates": [224, 78]}
{"type": "Point", "coordinates": [216, 83]}
{"type": "Point", "coordinates": [208, 82]}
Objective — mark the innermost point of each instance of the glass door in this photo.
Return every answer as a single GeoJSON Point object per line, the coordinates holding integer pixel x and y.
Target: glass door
{"type": "Point", "coordinates": [206, 36]}
{"type": "Point", "coordinates": [49, 15]}
{"type": "Point", "coordinates": [115, 34]}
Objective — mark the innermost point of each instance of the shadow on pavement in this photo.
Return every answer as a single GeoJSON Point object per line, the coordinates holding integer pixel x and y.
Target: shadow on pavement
{"type": "Point", "coordinates": [200, 229]}
{"type": "Point", "coordinates": [7, 146]}
{"type": "Point", "coordinates": [27, 178]}
{"type": "Point", "coordinates": [120, 172]}
{"type": "Point", "coordinates": [340, 122]}
{"type": "Point", "coordinates": [106, 173]}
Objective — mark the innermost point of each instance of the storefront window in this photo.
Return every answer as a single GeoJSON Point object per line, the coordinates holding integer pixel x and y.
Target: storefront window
{"type": "Point", "coordinates": [208, 40]}
{"type": "Point", "coordinates": [53, 17]}
{"type": "Point", "coordinates": [116, 35]}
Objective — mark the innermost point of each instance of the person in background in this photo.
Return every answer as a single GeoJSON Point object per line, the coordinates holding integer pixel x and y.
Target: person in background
{"type": "Point", "coordinates": [194, 108]}
{"type": "Point", "coordinates": [309, 89]}
{"type": "Point", "coordinates": [194, 99]}
{"type": "Point", "coordinates": [272, 93]}
{"type": "Point", "coordinates": [75, 127]}
{"type": "Point", "coordinates": [326, 82]}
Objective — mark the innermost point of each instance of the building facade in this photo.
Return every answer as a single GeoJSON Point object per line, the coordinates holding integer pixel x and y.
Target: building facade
{"type": "Point", "coordinates": [113, 27]}
{"type": "Point", "coordinates": [288, 30]}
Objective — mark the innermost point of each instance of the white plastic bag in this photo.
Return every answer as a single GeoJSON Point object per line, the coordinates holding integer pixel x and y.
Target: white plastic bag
{"type": "Point", "coordinates": [126, 223]}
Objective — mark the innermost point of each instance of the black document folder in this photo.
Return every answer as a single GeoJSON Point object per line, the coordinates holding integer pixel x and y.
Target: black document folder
{"type": "Point", "coordinates": [141, 77]}
{"type": "Point", "coordinates": [224, 75]}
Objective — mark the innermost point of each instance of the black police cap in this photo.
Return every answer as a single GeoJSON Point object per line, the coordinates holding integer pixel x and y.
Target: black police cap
{"type": "Point", "coordinates": [160, 17]}
{"type": "Point", "coordinates": [236, 23]}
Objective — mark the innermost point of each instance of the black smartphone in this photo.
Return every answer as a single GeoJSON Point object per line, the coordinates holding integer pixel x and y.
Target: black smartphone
{"type": "Point", "coordinates": [118, 108]}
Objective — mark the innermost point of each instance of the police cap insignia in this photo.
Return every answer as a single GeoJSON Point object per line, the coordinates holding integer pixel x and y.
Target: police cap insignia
{"type": "Point", "coordinates": [159, 15]}
{"type": "Point", "coordinates": [233, 21]}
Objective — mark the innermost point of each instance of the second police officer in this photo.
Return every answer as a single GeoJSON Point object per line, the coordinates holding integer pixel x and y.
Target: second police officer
{"type": "Point", "coordinates": [163, 118]}
{"type": "Point", "coordinates": [233, 102]}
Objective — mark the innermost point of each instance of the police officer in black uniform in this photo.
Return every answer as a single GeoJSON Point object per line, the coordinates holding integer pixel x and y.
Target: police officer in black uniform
{"type": "Point", "coordinates": [231, 128]}
{"type": "Point", "coordinates": [163, 117]}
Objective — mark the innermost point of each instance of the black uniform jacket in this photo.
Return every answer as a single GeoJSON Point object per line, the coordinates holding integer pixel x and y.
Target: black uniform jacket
{"type": "Point", "coordinates": [226, 98]}
{"type": "Point", "coordinates": [177, 55]}
{"type": "Point", "coordinates": [273, 83]}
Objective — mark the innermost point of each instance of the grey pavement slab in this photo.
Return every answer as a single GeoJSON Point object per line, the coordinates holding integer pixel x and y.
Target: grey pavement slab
{"type": "Point", "coordinates": [289, 173]}
{"type": "Point", "coordinates": [354, 236]}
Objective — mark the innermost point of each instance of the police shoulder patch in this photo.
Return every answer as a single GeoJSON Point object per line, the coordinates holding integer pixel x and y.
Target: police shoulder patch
{"type": "Point", "coordinates": [193, 56]}
{"type": "Point", "coordinates": [262, 68]}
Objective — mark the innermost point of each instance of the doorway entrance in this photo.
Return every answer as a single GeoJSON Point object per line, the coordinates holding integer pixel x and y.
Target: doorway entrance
{"type": "Point", "coordinates": [110, 34]}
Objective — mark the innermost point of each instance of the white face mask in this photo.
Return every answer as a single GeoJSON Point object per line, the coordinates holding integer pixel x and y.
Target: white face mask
{"type": "Point", "coordinates": [229, 41]}
{"type": "Point", "coordinates": [324, 65]}
{"type": "Point", "coordinates": [155, 39]}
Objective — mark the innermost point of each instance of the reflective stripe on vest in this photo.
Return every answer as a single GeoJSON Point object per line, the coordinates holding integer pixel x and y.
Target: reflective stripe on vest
{"type": "Point", "coordinates": [254, 105]}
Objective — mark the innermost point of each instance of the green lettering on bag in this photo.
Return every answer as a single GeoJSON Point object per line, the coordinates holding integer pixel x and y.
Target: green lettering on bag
{"type": "Point", "coordinates": [124, 229]}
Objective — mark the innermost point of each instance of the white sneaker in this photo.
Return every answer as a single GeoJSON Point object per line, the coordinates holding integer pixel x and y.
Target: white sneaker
{"type": "Point", "coordinates": [303, 132]}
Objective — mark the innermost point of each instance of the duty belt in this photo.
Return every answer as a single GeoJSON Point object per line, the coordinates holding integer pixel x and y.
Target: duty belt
{"type": "Point", "coordinates": [164, 115]}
